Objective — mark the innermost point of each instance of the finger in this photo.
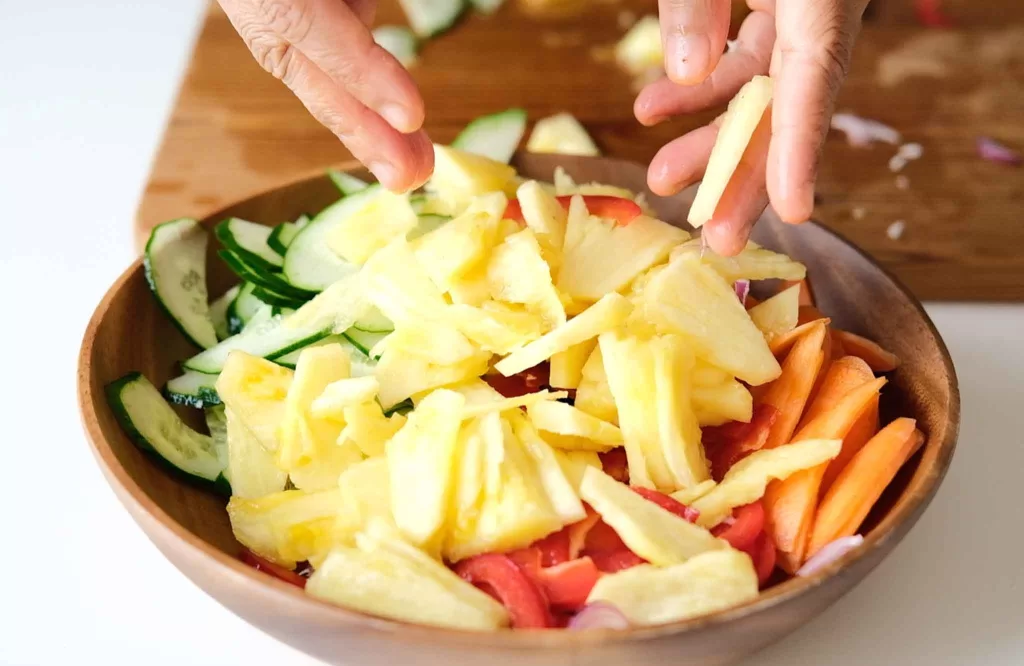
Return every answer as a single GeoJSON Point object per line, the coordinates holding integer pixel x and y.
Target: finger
{"type": "Point", "coordinates": [694, 34]}
{"type": "Point", "coordinates": [366, 10]}
{"type": "Point", "coordinates": [750, 56]}
{"type": "Point", "coordinates": [681, 162]}
{"type": "Point", "coordinates": [813, 51]}
{"type": "Point", "coordinates": [744, 198]}
{"type": "Point", "coordinates": [333, 38]}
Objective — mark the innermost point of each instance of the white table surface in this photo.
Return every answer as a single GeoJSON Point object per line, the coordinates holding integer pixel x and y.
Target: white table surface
{"type": "Point", "coordinates": [84, 91]}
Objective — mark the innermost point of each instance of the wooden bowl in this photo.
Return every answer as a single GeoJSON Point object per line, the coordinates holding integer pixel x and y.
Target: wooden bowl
{"type": "Point", "coordinates": [129, 332]}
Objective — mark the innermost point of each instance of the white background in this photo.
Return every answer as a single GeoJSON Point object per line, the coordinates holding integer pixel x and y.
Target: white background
{"type": "Point", "coordinates": [85, 88]}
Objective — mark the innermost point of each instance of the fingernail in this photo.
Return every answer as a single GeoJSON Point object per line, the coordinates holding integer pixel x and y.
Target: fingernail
{"type": "Point", "coordinates": [687, 57]}
{"type": "Point", "coordinates": [398, 117]}
{"type": "Point", "coordinates": [385, 173]}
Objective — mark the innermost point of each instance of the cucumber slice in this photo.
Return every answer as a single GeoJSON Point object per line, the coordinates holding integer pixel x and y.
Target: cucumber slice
{"type": "Point", "coordinates": [432, 17]}
{"type": "Point", "coordinates": [346, 183]}
{"type": "Point", "coordinates": [219, 309]}
{"type": "Point", "coordinates": [248, 240]}
{"type": "Point", "coordinates": [495, 136]}
{"type": "Point", "coordinates": [310, 264]}
{"type": "Point", "coordinates": [281, 236]}
{"type": "Point", "coordinates": [277, 300]}
{"type": "Point", "coordinates": [269, 282]}
{"type": "Point", "coordinates": [374, 322]}
{"type": "Point", "coordinates": [175, 264]}
{"type": "Point", "coordinates": [426, 224]}
{"type": "Point", "coordinates": [398, 41]}
{"type": "Point", "coordinates": [155, 427]}
{"type": "Point", "coordinates": [365, 341]}
{"type": "Point", "coordinates": [243, 308]}
{"type": "Point", "coordinates": [486, 6]}
{"type": "Point", "coordinates": [361, 363]}
{"type": "Point", "coordinates": [268, 340]}
{"type": "Point", "coordinates": [193, 389]}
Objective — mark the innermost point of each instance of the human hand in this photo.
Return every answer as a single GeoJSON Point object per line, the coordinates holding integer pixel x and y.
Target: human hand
{"type": "Point", "coordinates": [324, 52]}
{"type": "Point", "coordinates": [806, 46]}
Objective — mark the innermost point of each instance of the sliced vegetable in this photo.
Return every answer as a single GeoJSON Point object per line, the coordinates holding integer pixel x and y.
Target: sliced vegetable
{"type": "Point", "coordinates": [561, 134]}
{"type": "Point", "coordinates": [193, 389]}
{"type": "Point", "coordinates": [219, 309]}
{"type": "Point", "coordinates": [495, 136]}
{"type": "Point", "coordinates": [249, 241]}
{"type": "Point", "coordinates": [500, 577]}
{"type": "Point", "coordinates": [877, 358]}
{"type": "Point", "coordinates": [429, 18]}
{"type": "Point", "coordinates": [269, 340]}
{"type": "Point", "coordinates": [789, 393]}
{"type": "Point", "coordinates": [622, 211]}
{"type": "Point", "coordinates": [398, 41]}
{"type": "Point", "coordinates": [346, 183]}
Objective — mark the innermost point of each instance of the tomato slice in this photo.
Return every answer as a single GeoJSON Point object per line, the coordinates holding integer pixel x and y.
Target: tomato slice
{"type": "Point", "coordinates": [615, 465]}
{"type": "Point", "coordinates": [763, 552]}
{"type": "Point", "coordinates": [616, 560]}
{"type": "Point", "coordinates": [275, 570]}
{"type": "Point", "coordinates": [554, 548]}
{"type": "Point", "coordinates": [727, 444]}
{"type": "Point", "coordinates": [530, 380]}
{"type": "Point", "coordinates": [747, 525]}
{"type": "Point", "coordinates": [622, 210]}
{"type": "Point", "coordinates": [568, 585]}
{"type": "Point", "coordinates": [503, 579]}
{"type": "Point", "coordinates": [602, 539]}
{"type": "Point", "coordinates": [668, 503]}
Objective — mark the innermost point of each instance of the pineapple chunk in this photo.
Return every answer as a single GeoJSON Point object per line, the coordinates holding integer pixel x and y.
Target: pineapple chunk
{"type": "Point", "coordinates": [513, 508]}
{"type": "Point", "coordinates": [546, 217]}
{"type": "Point", "coordinates": [368, 428]}
{"type": "Point", "coordinates": [496, 327]}
{"type": "Point", "coordinates": [691, 299]}
{"type": "Point", "coordinates": [561, 492]}
{"type": "Point", "coordinates": [640, 49]}
{"type": "Point", "coordinates": [400, 288]}
{"type": "Point", "coordinates": [561, 134]}
{"type": "Point", "coordinates": [384, 217]}
{"type": "Point", "coordinates": [472, 453]}
{"type": "Point", "coordinates": [286, 527]}
{"type": "Point", "coordinates": [753, 263]}
{"type": "Point", "coordinates": [629, 362]}
{"type": "Point", "coordinates": [709, 582]}
{"type": "Point", "coordinates": [720, 403]}
{"type": "Point", "coordinates": [745, 482]}
{"type": "Point", "coordinates": [455, 248]}
{"type": "Point", "coordinates": [518, 273]}
{"type": "Point", "coordinates": [255, 389]}
{"type": "Point", "coordinates": [655, 534]}
{"type": "Point", "coordinates": [603, 316]}
{"type": "Point", "coordinates": [677, 424]}
{"type": "Point", "coordinates": [421, 457]}
{"type": "Point", "coordinates": [251, 467]}
{"type": "Point", "coordinates": [459, 176]}
{"type": "Point", "coordinates": [563, 182]}
{"type": "Point", "coordinates": [567, 366]}
{"type": "Point", "coordinates": [735, 132]}
{"type": "Point", "coordinates": [575, 463]}
{"type": "Point", "coordinates": [343, 393]}
{"type": "Point", "coordinates": [593, 395]}
{"type": "Point", "coordinates": [429, 341]}
{"type": "Point", "coordinates": [365, 495]}
{"type": "Point", "coordinates": [605, 190]}
{"type": "Point", "coordinates": [708, 375]}
{"type": "Point", "coordinates": [508, 404]}
{"type": "Point", "coordinates": [402, 376]}
{"type": "Point", "coordinates": [690, 495]}
{"type": "Point", "coordinates": [403, 585]}
{"type": "Point", "coordinates": [566, 427]}
{"type": "Point", "coordinates": [472, 288]}
{"type": "Point", "coordinates": [778, 314]}
{"type": "Point", "coordinates": [600, 256]}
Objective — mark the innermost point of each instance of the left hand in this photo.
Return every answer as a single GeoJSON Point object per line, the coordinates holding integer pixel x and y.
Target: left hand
{"type": "Point", "coordinates": [806, 46]}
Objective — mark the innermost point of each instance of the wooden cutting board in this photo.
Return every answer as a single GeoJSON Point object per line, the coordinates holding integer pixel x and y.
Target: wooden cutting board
{"type": "Point", "coordinates": [235, 131]}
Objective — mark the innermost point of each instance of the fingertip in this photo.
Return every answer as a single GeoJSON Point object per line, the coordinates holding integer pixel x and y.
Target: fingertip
{"type": "Point", "coordinates": [644, 108]}
{"type": "Point", "coordinates": [726, 238]}
{"type": "Point", "coordinates": [688, 58]}
{"type": "Point", "coordinates": [659, 177]}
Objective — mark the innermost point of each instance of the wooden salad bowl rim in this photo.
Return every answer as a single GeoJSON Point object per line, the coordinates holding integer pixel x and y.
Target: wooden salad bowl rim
{"type": "Point", "coordinates": [292, 601]}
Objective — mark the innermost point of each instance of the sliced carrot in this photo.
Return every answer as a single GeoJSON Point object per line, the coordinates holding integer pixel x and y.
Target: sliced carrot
{"type": "Point", "coordinates": [843, 376]}
{"type": "Point", "coordinates": [806, 295]}
{"type": "Point", "coordinates": [838, 350]}
{"type": "Point", "coordinates": [790, 504]}
{"type": "Point", "coordinates": [863, 430]}
{"type": "Point", "coordinates": [826, 363]}
{"type": "Point", "coordinates": [789, 392]}
{"type": "Point", "coordinates": [808, 313]}
{"type": "Point", "coordinates": [862, 481]}
{"type": "Point", "coordinates": [781, 344]}
{"type": "Point", "coordinates": [879, 359]}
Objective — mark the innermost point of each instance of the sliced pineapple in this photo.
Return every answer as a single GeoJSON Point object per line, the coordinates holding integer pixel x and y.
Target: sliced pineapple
{"type": "Point", "coordinates": [255, 389]}
{"type": "Point", "coordinates": [720, 403]}
{"type": "Point", "coordinates": [518, 273]}
{"type": "Point", "coordinates": [368, 428]}
{"type": "Point", "coordinates": [288, 526]}
{"type": "Point", "coordinates": [604, 315]}
{"type": "Point", "coordinates": [745, 482]}
{"type": "Point", "coordinates": [422, 459]}
{"type": "Point", "coordinates": [566, 427]}
{"type": "Point", "coordinates": [496, 327]}
{"type": "Point", "coordinates": [575, 463]}
{"type": "Point", "coordinates": [384, 217]}
{"type": "Point", "coordinates": [251, 468]}
{"type": "Point", "coordinates": [655, 534]}
{"type": "Point", "coordinates": [508, 404]}
{"type": "Point", "coordinates": [640, 49]}
{"type": "Point", "coordinates": [691, 299]}
{"type": "Point", "coordinates": [472, 288]}
{"type": "Point", "coordinates": [402, 376]}
{"type": "Point", "coordinates": [649, 595]}
{"type": "Point", "coordinates": [434, 342]}
{"type": "Point", "coordinates": [600, 256]}
{"type": "Point", "coordinates": [456, 248]}
{"type": "Point", "coordinates": [561, 492]}
{"type": "Point", "coordinates": [677, 423]}
{"type": "Point", "coordinates": [563, 182]}
{"type": "Point", "coordinates": [365, 495]}
{"type": "Point", "coordinates": [690, 495]}
{"type": "Point", "coordinates": [561, 134]}
{"type": "Point", "coordinates": [460, 176]}
{"type": "Point", "coordinates": [546, 217]}
{"type": "Point", "coordinates": [567, 366]}
{"type": "Point", "coordinates": [778, 314]}
{"type": "Point", "coordinates": [753, 263]}
{"type": "Point", "coordinates": [339, 395]}
{"type": "Point", "coordinates": [470, 473]}
{"type": "Point", "coordinates": [338, 306]}
{"type": "Point", "coordinates": [593, 395]}
{"type": "Point", "coordinates": [399, 287]}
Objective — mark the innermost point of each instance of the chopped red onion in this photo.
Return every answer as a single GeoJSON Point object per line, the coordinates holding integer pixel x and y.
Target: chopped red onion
{"type": "Point", "coordinates": [829, 554]}
{"type": "Point", "coordinates": [862, 132]}
{"type": "Point", "coordinates": [598, 615]}
{"type": "Point", "coordinates": [993, 151]}
{"type": "Point", "coordinates": [742, 289]}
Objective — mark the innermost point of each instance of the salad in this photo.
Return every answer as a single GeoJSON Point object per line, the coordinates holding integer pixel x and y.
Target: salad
{"type": "Point", "coordinates": [503, 403]}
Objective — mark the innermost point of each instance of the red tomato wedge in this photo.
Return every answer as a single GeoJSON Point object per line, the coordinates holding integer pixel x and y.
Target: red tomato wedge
{"type": "Point", "coordinates": [503, 579]}
{"type": "Point", "coordinates": [622, 210]}
{"type": "Point", "coordinates": [554, 548]}
{"type": "Point", "coordinates": [602, 539]}
{"type": "Point", "coordinates": [275, 570]}
{"type": "Point", "coordinates": [668, 503]}
{"type": "Point", "coordinates": [730, 443]}
{"type": "Point", "coordinates": [617, 560]}
{"type": "Point", "coordinates": [527, 381]}
{"type": "Point", "coordinates": [748, 523]}
{"type": "Point", "coordinates": [764, 556]}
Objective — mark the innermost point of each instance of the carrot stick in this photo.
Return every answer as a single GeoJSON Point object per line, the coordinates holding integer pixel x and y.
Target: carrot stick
{"type": "Point", "coordinates": [861, 483]}
{"type": "Point", "coordinates": [826, 363]}
{"type": "Point", "coordinates": [781, 344]}
{"type": "Point", "coordinates": [879, 359]}
{"type": "Point", "coordinates": [863, 430]}
{"type": "Point", "coordinates": [790, 504]}
{"type": "Point", "coordinates": [806, 295]}
{"type": "Point", "coordinates": [789, 392]}
{"type": "Point", "coordinates": [842, 377]}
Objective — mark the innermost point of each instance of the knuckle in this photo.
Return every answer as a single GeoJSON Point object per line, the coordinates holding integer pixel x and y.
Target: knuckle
{"type": "Point", "coordinates": [291, 19]}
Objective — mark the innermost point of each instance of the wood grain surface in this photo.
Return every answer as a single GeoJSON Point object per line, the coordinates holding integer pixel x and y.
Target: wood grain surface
{"type": "Point", "coordinates": [235, 131]}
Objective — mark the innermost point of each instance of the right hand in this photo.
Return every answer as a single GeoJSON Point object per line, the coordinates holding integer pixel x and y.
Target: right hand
{"type": "Point", "coordinates": [324, 52]}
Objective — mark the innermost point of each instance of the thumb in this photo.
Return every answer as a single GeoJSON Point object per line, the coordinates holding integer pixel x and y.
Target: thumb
{"type": "Point", "coordinates": [811, 58]}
